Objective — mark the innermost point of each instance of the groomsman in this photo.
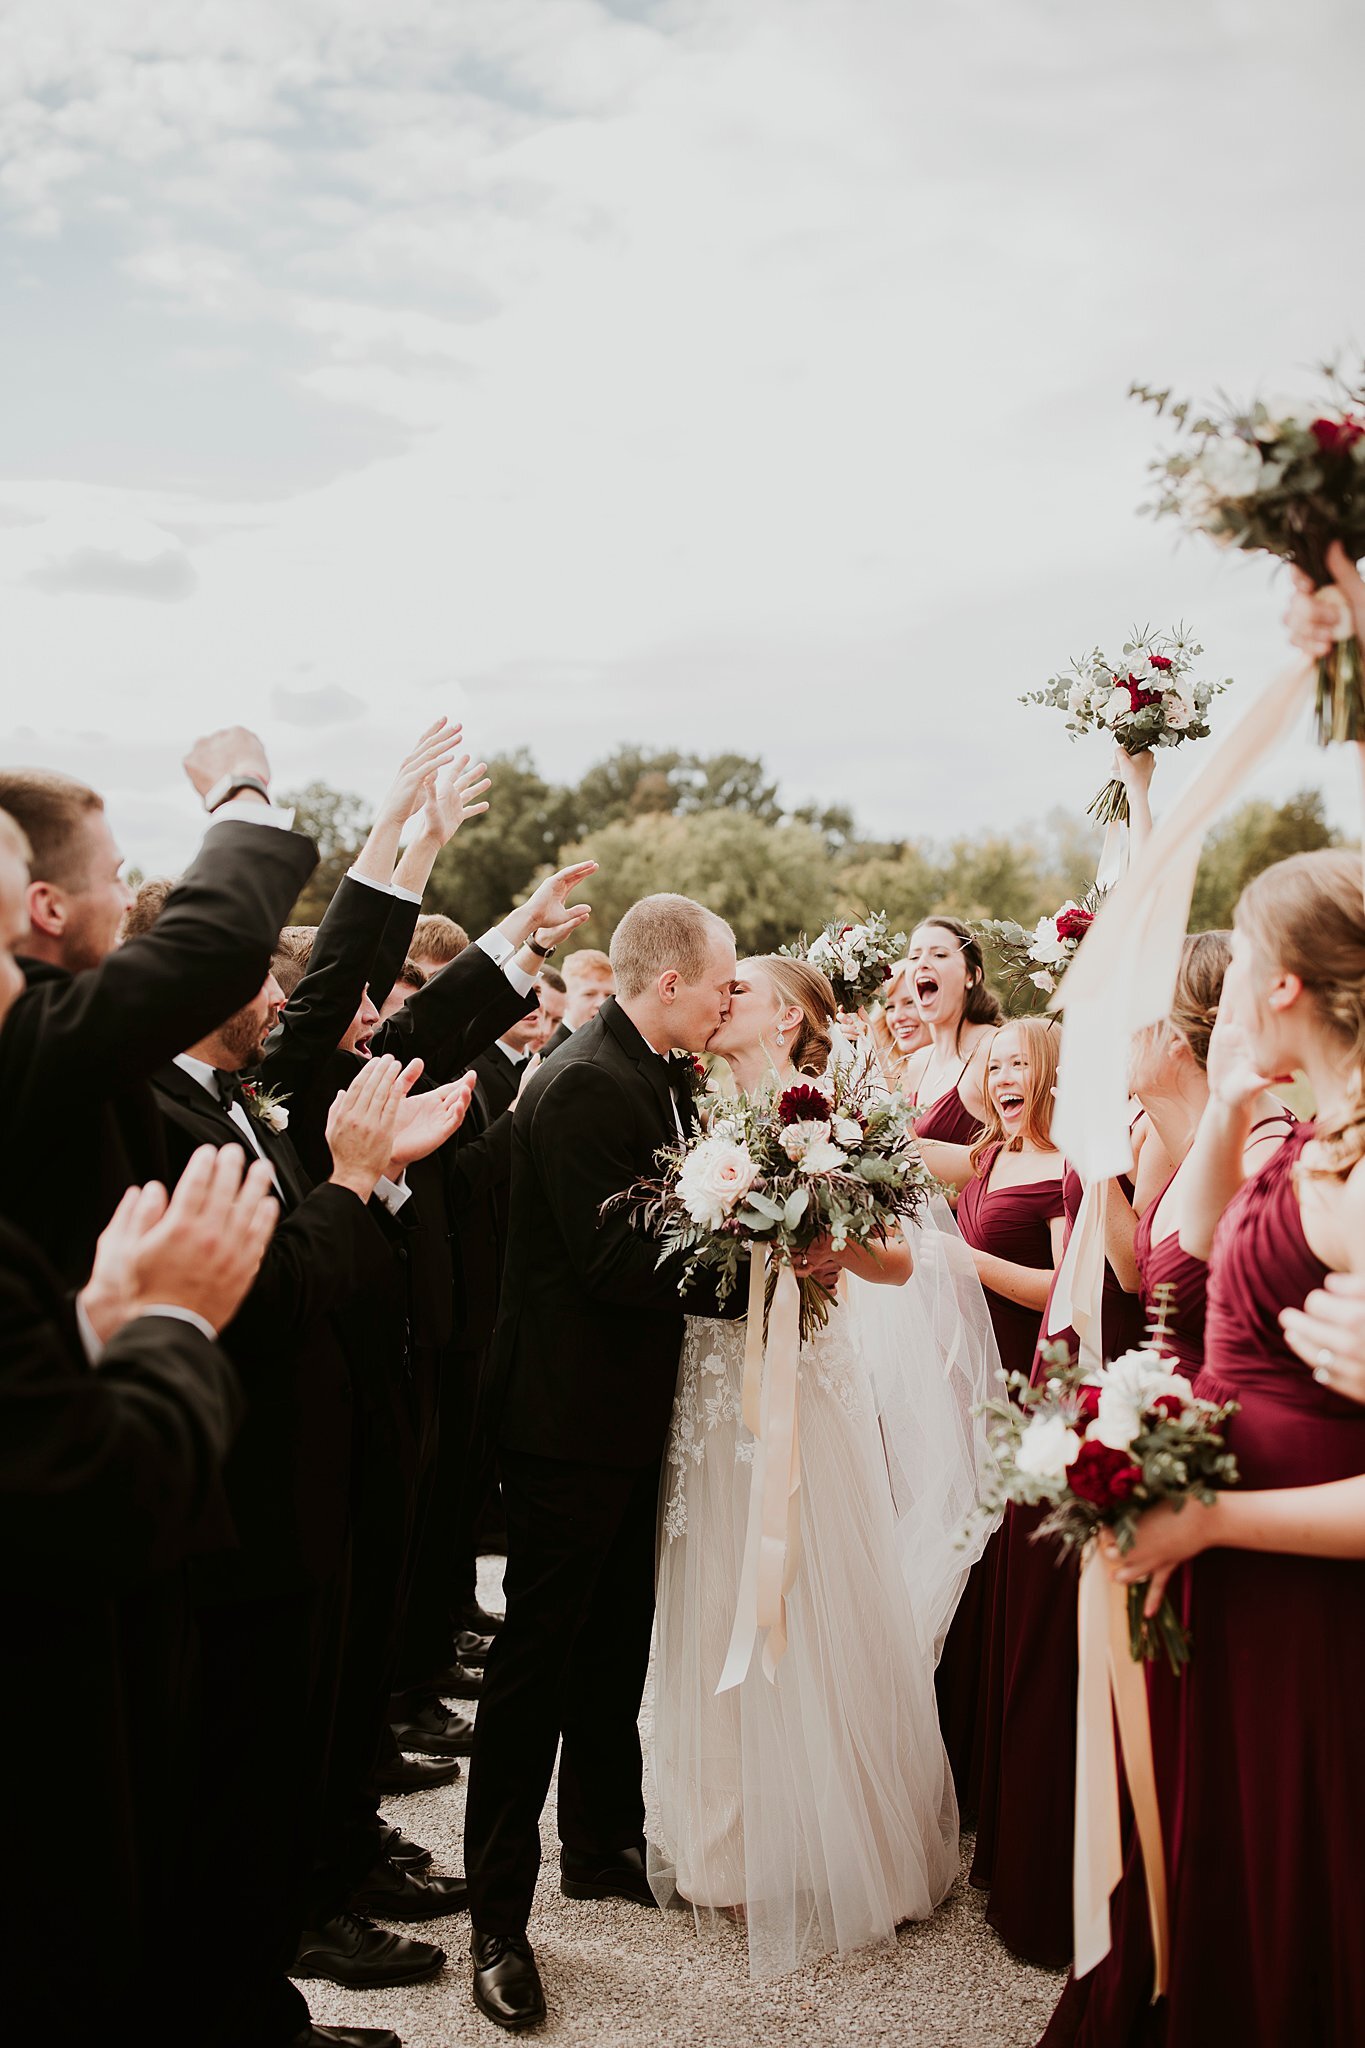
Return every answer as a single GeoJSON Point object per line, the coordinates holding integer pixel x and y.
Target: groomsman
{"type": "Point", "coordinates": [588, 981]}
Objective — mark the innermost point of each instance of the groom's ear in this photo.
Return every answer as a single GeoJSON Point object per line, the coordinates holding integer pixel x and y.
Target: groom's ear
{"type": "Point", "coordinates": [666, 987]}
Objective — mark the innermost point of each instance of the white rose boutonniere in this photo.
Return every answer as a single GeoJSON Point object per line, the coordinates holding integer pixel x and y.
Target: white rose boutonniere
{"type": "Point", "coordinates": [266, 1106]}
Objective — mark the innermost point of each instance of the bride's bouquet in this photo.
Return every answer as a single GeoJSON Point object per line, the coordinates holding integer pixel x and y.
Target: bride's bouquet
{"type": "Point", "coordinates": [1042, 956]}
{"type": "Point", "coordinates": [856, 959]}
{"type": "Point", "coordinates": [811, 1164]}
{"type": "Point", "coordinates": [1284, 477]}
{"type": "Point", "coordinates": [1148, 698]}
{"type": "Point", "coordinates": [1097, 1448]}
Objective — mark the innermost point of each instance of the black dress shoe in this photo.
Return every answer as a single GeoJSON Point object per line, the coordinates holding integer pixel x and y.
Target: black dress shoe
{"type": "Point", "coordinates": [391, 1892]}
{"type": "Point", "coordinates": [346, 2037]}
{"type": "Point", "coordinates": [433, 1730]}
{"type": "Point", "coordinates": [459, 1681]}
{"type": "Point", "coordinates": [480, 1620]}
{"type": "Point", "coordinates": [396, 1848]}
{"type": "Point", "coordinates": [471, 1647]}
{"type": "Point", "coordinates": [619, 1875]}
{"type": "Point", "coordinates": [507, 1987]}
{"type": "Point", "coordinates": [415, 1774]}
{"type": "Point", "coordinates": [351, 1950]}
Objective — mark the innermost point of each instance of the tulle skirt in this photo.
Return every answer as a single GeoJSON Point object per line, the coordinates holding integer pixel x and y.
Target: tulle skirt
{"type": "Point", "coordinates": [819, 1805]}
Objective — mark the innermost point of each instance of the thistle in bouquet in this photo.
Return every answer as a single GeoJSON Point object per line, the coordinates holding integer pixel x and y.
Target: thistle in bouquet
{"type": "Point", "coordinates": [1148, 698]}
{"type": "Point", "coordinates": [1279, 476]}
{"type": "Point", "coordinates": [855, 958]}
{"type": "Point", "coordinates": [1041, 956]}
{"type": "Point", "coordinates": [793, 1169]}
{"type": "Point", "coordinates": [1097, 1449]}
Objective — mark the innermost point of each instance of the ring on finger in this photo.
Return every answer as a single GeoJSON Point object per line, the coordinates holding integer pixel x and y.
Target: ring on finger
{"type": "Point", "coordinates": [1322, 1370]}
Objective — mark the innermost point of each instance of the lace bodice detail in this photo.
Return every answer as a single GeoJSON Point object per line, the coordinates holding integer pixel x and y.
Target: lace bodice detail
{"type": "Point", "coordinates": [707, 1410]}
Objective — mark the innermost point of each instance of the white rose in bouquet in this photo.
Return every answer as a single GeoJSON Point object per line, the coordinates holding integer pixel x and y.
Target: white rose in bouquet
{"type": "Point", "coordinates": [1045, 981]}
{"type": "Point", "coordinates": [798, 1137]}
{"type": "Point", "coordinates": [847, 1132]}
{"type": "Point", "coordinates": [1177, 710]}
{"type": "Point", "coordinates": [822, 1156]}
{"type": "Point", "coordinates": [1047, 1447]}
{"type": "Point", "coordinates": [1128, 1387]}
{"type": "Point", "coordinates": [716, 1174]}
{"type": "Point", "coordinates": [1045, 945]}
{"type": "Point", "coordinates": [1117, 705]}
{"type": "Point", "coordinates": [1078, 697]}
{"type": "Point", "coordinates": [1231, 468]}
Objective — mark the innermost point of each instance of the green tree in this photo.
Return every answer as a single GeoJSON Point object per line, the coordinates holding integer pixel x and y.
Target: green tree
{"type": "Point", "coordinates": [1254, 837]}
{"type": "Point", "coordinates": [337, 820]}
{"type": "Point", "coordinates": [492, 863]}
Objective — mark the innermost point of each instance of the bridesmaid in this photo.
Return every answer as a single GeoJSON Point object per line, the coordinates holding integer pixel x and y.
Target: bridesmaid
{"type": "Point", "coordinates": [1266, 1810]}
{"type": "Point", "coordinates": [946, 1080]}
{"type": "Point", "coordinates": [896, 1028]}
{"type": "Point", "coordinates": [1011, 1215]}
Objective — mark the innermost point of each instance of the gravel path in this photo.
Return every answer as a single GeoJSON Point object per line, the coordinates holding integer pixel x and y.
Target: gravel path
{"type": "Point", "coordinates": [619, 1976]}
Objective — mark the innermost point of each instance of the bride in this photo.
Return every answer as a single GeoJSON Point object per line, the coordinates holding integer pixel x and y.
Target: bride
{"type": "Point", "coordinates": [818, 1806]}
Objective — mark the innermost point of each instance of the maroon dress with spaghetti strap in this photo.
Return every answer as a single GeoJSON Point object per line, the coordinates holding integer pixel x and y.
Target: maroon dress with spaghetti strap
{"type": "Point", "coordinates": [949, 1120]}
{"type": "Point", "coordinates": [1026, 1818]}
{"type": "Point", "coordinates": [1184, 1279]}
{"type": "Point", "coordinates": [1012, 1223]}
{"type": "Point", "coordinates": [1263, 1803]}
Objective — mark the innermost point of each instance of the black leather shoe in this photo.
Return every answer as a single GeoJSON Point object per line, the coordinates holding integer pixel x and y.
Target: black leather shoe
{"type": "Point", "coordinates": [346, 2037]}
{"type": "Point", "coordinates": [415, 1774]}
{"type": "Point", "coordinates": [479, 1619]}
{"type": "Point", "coordinates": [471, 1647]}
{"type": "Point", "coordinates": [459, 1681]}
{"type": "Point", "coordinates": [397, 1848]}
{"type": "Point", "coordinates": [620, 1875]}
{"type": "Point", "coordinates": [433, 1730]}
{"type": "Point", "coordinates": [392, 1893]}
{"type": "Point", "coordinates": [507, 1987]}
{"type": "Point", "coordinates": [351, 1950]}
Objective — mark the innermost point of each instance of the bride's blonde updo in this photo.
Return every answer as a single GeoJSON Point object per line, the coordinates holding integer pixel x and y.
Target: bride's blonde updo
{"type": "Point", "coordinates": [797, 982]}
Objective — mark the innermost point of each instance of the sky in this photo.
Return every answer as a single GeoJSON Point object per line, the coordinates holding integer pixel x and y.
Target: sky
{"type": "Point", "coordinates": [723, 374]}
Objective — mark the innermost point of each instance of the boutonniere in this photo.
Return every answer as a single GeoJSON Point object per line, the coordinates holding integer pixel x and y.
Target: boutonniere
{"type": "Point", "coordinates": [686, 1071]}
{"type": "Point", "coordinates": [266, 1106]}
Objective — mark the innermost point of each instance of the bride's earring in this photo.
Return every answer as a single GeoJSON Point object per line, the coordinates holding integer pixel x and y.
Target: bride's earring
{"type": "Point", "coordinates": [781, 1036]}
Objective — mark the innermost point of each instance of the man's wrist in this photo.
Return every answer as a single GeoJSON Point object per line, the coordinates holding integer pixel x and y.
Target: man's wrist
{"type": "Point", "coordinates": [362, 1185]}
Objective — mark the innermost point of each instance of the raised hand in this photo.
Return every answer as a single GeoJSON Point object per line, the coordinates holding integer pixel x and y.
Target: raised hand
{"type": "Point", "coordinates": [200, 1249]}
{"type": "Point", "coordinates": [362, 1123]}
{"type": "Point", "coordinates": [235, 750]}
{"type": "Point", "coordinates": [426, 1121]}
{"type": "Point", "coordinates": [544, 915]}
{"type": "Point", "coordinates": [451, 800]}
{"type": "Point", "coordinates": [1317, 617]}
{"type": "Point", "coordinates": [1235, 1078]}
{"type": "Point", "coordinates": [406, 795]}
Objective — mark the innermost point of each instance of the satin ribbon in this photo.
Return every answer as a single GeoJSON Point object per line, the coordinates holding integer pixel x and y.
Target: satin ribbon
{"type": "Point", "coordinates": [1113, 854]}
{"type": "Point", "coordinates": [1078, 1290]}
{"type": "Point", "coordinates": [1112, 1687]}
{"type": "Point", "coordinates": [773, 1531]}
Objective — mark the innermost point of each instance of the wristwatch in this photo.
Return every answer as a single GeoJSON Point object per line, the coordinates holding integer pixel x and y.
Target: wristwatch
{"type": "Point", "coordinates": [541, 952]}
{"type": "Point", "coordinates": [227, 787]}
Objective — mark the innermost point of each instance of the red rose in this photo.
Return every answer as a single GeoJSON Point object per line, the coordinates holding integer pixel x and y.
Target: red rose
{"type": "Point", "coordinates": [1169, 1405]}
{"type": "Point", "coordinates": [1161, 661]}
{"type": "Point", "coordinates": [802, 1105]}
{"type": "Point", "coordinates": [1137, 696]}
{"type": "Point", "coordinates": [1334, 437]}
{"type": "Point", "coordinates": [1074, 924]}
{"type": "Point", "coordinates": [1088, 1402]}
{"type": "Point", "coordinates": [1102, 1476]}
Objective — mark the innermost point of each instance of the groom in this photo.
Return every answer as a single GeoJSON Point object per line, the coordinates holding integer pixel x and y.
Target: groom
{"type": "Point", "coordinates": [584, 1373]}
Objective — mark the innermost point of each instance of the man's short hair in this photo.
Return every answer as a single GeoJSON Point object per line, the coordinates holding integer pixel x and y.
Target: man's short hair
{"type": "Point", "coordinates": [587, 960]}
{"type": "Point", "coordinates": [14, 839]}
{"type": "Point", "coordinates": [410, 975]}
{"type": "Point", "coordinates": [293, 950]}
{"type": "Point", "coordinates": [438, 938]}
{"type": "Point", "coordinates": [146, 907]}
{"type": "Point", "coordinates": [659, 933]}
{"type": "Point", "coordinates": [49, 810]}
{"type": "Point", "coordinates": [550, 977]}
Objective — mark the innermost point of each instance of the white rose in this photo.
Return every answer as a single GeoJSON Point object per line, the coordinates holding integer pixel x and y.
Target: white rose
{"type": "Point", "coordinates": [1127, 1387]}
{"type": "Point", "coordinates": [1117, 705]}
{"type": "Point", "coordinates": [714, 1177]}
{"type": "Point", "coordinates": [1231, 468]}
{"type": "Point", "coordinates": [847, 1132]}
{"type": "Point", "coordinates": [796, 1137]}
{"type": "Point", "coordinates": [275, 1116]}
{"type": "Point", "coordinates": [1077, 697]}
{"type": "Point", "coordinates": [822, 954]}
{"type": "Point", "coordinates": [1177, 710]}
{"type": "Point", "coordinates": [820, 1156]}
{"type": "Point", "coordinates": [1045, 944]}
{"type": "Point", "coordinates": [1045, 981]}
{"type": "Point", "coordinates": [1047, 1447]}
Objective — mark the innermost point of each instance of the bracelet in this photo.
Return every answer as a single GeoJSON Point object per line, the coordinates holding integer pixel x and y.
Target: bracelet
{"type": "Point", "coordinates": [227, 787]}
{"type": "Point", "coordinates": [541, 952]}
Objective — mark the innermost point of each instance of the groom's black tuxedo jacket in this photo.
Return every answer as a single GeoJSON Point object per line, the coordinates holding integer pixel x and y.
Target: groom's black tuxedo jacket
{"type": "Point", "coordinates": [77, 1120]}
{"type": "Point", "coordinates": [591, 1329]}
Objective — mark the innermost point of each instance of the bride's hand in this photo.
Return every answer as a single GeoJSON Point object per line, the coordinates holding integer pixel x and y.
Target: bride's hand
{"type": "Point", "coordinates": [819, 1262]}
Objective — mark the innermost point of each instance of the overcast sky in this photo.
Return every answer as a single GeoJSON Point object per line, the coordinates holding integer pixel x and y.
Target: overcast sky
{"type": "Point", "coordinates": [711, 373]}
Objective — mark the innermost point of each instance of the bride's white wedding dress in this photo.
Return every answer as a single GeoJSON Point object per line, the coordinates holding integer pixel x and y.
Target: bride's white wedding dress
{"type": "Point", "coordinates": [820, 1803]}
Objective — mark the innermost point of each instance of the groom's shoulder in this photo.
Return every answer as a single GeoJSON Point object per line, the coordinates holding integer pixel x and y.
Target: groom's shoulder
{"type": "Point", "coordinates": [591, 1062]}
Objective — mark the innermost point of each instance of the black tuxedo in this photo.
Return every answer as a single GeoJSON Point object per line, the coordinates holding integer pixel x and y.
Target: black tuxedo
{"type": "Point", "coordinates": [500, 1076]}
{"type": "Point", "coordinates": [561, 1035]}
{"type": "Point", "coordinates": [77, 1121]}
{"type": "Point", "coordinates": [103, 1475]}
{"type": "Point", "coordinates": [587, 1360]}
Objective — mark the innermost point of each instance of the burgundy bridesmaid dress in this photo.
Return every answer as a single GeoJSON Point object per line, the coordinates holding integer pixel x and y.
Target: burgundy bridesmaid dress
{"type": "Point", "coordinates": [1013, 1223]}
{"type": "Point", "coordinates": [1263, 1801]}
{"type": "Point", "coordinates": [1026, 1820]}
{"type": "Point", "coordinates": [1163, 1264]}
{"type": "Point", "coordinates": [949, 1120]}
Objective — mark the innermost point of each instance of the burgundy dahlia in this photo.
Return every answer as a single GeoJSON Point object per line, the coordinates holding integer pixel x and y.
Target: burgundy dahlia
{"type": "Point", "coordinates": [802, 1105]}
{"type": "Point", "coordinates": [1103, 1476]}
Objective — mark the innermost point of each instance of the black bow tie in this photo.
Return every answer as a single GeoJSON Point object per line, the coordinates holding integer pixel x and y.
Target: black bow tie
{"type": "Point", "coordinates": [230, 1089]}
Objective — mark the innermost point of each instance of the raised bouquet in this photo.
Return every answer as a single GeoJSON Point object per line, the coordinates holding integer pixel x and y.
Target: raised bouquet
{"type": "Point", "coordinates": [833, 1162]}
{"type": "Point", "coordinates": [1042, 956]}
{"type": "Point", "coordinates": [1280, 476]}
{"type": "Point", "coordinates": [1097, 1449]}
{"type": "Point", "coordinates": [856, 959]}
{"type": "Point", "coordinates": [1148, 698]}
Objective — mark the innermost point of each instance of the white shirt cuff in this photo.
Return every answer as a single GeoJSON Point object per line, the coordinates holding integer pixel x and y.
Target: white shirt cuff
{"type": "Point", "coordinates": [497, 945]}
{"type": "Point", "coordinates": [406, 895]}
{"type": "Point", "coordinates": [369, 882]}
{"type": "Point", "coordinates": [521, 981]}
{"type": "Point", "coordinates": [241, 813]}
{"type": "Point", "coordinates": [182, 1315]}
{"type": "Point", "coordinates": [393, 1193]}
{"type": "Point", "coordinates": [91, 1343]}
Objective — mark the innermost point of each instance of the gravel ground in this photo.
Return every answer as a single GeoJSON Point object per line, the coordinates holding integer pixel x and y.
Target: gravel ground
{"type": "Point", "coordinates": [619, 1976]}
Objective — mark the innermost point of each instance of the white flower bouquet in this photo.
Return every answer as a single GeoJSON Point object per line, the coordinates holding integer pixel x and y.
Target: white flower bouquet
{"type": "Point", "coordinates": [1285, 477]}
{"type": "Point", "coordinates": [1148, 698]}
{"type": "Point", "coordinates": [1097, 1448]}
{"type": "Point", "coordinates": [811, 1164]}
{"type": "Point", "coordinates": [1042, 956]}
{"type": "Point", "coordinates": [856, 959]}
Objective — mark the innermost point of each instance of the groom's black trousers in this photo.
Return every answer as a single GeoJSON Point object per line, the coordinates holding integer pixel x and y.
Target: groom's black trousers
{"type": "Point", "coordinates": [568, 1664]}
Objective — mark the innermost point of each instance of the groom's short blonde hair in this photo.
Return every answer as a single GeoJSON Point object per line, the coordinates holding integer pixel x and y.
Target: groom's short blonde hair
{"type": "Point", "coordinates": [659, 933]}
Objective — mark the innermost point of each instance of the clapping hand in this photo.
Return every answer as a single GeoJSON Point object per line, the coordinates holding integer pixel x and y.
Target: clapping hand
{"type": "Point", "coordinates": [363, 1122]}
{"type": "Point", "coordinates": [198, 1249]}
{"type": "Point", "coordinates": [426, 1121]}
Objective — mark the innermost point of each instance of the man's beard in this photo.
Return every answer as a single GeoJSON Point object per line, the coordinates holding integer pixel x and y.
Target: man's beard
{"type": "Point", "coordinates": [243, 1037]}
